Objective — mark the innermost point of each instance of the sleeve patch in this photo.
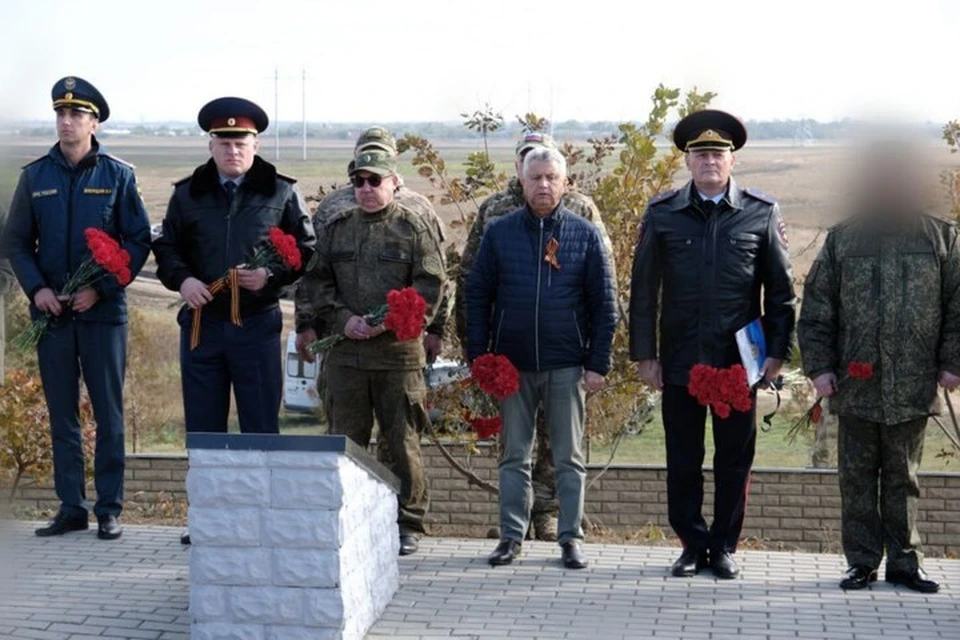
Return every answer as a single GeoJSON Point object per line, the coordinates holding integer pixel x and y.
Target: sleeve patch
{"type": "Point", "coordinates": [782, 233]}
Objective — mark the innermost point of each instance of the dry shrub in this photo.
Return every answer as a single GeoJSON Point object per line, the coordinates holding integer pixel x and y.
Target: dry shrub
{"type": "Point", "coordinates": [25, 445]}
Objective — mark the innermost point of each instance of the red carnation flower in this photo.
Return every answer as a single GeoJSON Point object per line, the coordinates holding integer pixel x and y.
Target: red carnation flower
{"type": "Point", "coordinates": [486, 427]}
{"type": "Point", "coordinates": [285, 246]}
{"type": "Point", "coordinates": [406, 313]}
{"type": "Point", "coordinates": [724, 390]}
{"type": "Point", "coordinates": [860, 370]}
{"type": "Point", "coordinates": [496, 375]}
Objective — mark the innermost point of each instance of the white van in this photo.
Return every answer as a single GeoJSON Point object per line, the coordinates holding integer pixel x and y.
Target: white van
{"type": "Point", "coordinates": [300, 379]}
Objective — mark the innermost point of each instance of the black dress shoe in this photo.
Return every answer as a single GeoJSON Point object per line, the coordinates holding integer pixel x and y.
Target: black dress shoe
{"type": "Point", "coordinates": [573, 557]}
{"type": "Point", "coordinates": [858, 577]}
{"type": "Point", "coordinates": [724, 566]}
{"type": "Point", "coordinates": [689, 563]}
{"type": "Point", "coordinates": [408, 545]}
{"type": "Point", "coordinates": [505, 552]}
{"type": "Point", "coordinates": [185, 537]}
{"type": "Point", "coordinates": [917, 580]}
{"type": "Point", "coordinates": [108, 528]}
{"type": "Point", "coordinates": [62, 524]}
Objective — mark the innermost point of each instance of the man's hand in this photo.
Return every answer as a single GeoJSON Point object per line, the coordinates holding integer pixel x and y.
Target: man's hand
{"type": "Point", "coordinates": [304, 339]}
{"type": "Point", "coordinates": [825, 384]}
{"type": "Point", "coordinates": [948, 381]}
{"type": "Point", "coordinates": [358, 329]}
{"type": "Point", "coordinates": [433, 345]}
{"type": "Point", "coordinates": [593, 381]}
{"type": "Point", "coordinates": [46, 301]}
{"type": "Point", "coordinates": [770, 369]}
{"type": "Point", "coordinates": [84, 299]}
{"type": "Point", "coordinates": [195, 293]}
{"type": "Point", "coordinates": [651, 373]}
{"type": "Point", "coordinates": [254, 280]}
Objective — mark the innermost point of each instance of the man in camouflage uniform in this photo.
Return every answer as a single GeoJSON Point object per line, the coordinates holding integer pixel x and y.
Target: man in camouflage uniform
{"type": "Point", "coordinates": [362, 254]}
{"type": "Point", "coordinates": [885, 291]}
{"type": "Point", "coordinates": [344, 199]}
{"type": "Point", "coordinates": [544, 513]}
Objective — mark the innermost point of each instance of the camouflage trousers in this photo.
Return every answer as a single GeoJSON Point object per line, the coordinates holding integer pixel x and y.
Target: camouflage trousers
{"type": "Point", "coordinates": [879, 491]}
{"type": "Point", "coordinates": [396, 398]}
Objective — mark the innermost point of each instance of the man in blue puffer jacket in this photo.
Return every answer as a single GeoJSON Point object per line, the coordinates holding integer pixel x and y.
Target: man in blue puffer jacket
{"type": "Point", "coordinates": [541, 292]}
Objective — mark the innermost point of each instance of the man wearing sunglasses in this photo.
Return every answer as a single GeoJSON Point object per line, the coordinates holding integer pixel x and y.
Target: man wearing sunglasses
{"type": "Point", "coordinates": [545, 507]}
{"type": "Point", "coordinates": [363, 254]}
{"type": "Point", "coordinates": [342, 200]}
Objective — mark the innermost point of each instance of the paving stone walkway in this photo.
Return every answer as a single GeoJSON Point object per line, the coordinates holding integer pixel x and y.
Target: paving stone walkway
{"type": "Point", "coordinates": [77, 588]}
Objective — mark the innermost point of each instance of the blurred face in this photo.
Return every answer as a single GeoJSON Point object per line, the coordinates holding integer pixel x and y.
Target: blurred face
{"type": "Point", "coordinates": [710, 169]}
{"type": "Point", "coordinates": [234, 156]}
{"type": "Point", "coordinates": [543, 187]}
{"type": "Point", "coordinates": [75, 127]}
{"type": "Point", "coordinates": [372, 191]}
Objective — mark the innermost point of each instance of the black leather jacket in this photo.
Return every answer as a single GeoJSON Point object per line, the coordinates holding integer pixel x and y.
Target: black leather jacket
{"type": "Point", "coordinates": [703, 274]}
{"type": "Point", "coordinates": [204, 235]}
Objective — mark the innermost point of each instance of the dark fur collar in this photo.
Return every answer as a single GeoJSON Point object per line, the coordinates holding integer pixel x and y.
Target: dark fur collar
{"type": "Point", "coordinates": [262, 178]}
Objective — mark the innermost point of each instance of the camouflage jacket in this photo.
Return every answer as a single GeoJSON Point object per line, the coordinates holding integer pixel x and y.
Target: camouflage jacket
{"type": "Point", "coordinates": [360, 258]}
{"type": "Point", "coordinates": [889, 299]}
{"type": "Point", "coordinates": [500, 204]}
{"type": "Point", "coordinates": [341, 200]}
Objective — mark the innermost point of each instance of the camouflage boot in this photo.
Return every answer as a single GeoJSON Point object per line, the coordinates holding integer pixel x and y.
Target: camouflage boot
{"type": "Point", "coordinates": [543, 516]}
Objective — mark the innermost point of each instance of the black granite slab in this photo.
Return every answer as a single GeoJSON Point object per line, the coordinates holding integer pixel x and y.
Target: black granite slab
{"type": "Point", "coordinates": [274, 442]}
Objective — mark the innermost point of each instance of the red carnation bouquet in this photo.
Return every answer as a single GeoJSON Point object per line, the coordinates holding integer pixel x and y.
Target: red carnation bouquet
{"type": "Point", "coordinates": [723, 390]}
{"type": "Point", "coordinates": [107, 259]}
{"type": "Point", "coordinates": [404, 314]}
{"type": "Point", "coordinates": [280, 250]}
{"type": "Point", "coordinates": [855, 371]}
{"type": "Point", "coordinates": [492, 377]}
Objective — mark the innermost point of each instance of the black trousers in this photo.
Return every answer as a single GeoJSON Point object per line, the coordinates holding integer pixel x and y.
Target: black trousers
{"type": "Point", "coordinates": [734, 438]}
{"type": "Point", "coordinates": [246, 358]}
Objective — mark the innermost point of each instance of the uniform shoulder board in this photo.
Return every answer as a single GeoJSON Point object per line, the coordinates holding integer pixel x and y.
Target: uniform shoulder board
{"type": "Point", "coordinates": [33, 162]}
{"type": "Point", "coordinates": [760, 195]}
{"type": "Point", "coordinates": [342, 214]}
{"type": "Point", "coordinates": [663, 197]}
{"type": "Point", "coordinates": [286, 178]}
{"type": "Point", "coordinates": [415, 219]}
{"type": "Point", "coordinates": [119, 160]}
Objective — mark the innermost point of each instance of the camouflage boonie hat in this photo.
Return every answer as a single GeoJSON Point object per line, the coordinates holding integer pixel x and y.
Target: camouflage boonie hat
{"type": "Point", "coordinates": [534, 140]}
{"type": "Point", "coordinates": [375, 161]}
{"type": "Point", "coordinates": [376, 138]}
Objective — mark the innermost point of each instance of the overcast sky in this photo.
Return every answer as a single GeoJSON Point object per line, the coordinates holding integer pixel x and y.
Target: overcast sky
{"type": "Point", "coordinates": [402, 60]}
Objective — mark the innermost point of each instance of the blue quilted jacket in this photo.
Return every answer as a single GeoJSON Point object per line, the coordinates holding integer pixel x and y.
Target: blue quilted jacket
{"type": "Point", "coordinates": [538, 315]}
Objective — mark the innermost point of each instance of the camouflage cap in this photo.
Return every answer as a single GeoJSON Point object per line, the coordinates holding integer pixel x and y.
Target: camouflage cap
{"type": "Point", "coordinates": [533, 140]}
{"type": "Point", "coordinates": [375, 161]}
{"type": "Point", "coordinates": [376, 138]}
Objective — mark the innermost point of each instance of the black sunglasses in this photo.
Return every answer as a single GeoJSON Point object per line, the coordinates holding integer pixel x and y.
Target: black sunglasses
{"type": "Point", "coordinates": [373, 180]}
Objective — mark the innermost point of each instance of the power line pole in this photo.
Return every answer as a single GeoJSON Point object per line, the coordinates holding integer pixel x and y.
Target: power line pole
{"type": "Point", "coordinates": [304, 107]}
{"type": "Point", "coordinates": [276, 112]}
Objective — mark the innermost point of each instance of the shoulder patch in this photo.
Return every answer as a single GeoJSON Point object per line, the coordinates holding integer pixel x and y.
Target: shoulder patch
{"type": "Point", "coordinates": [286, 178]}
{"type": "Point", "coordinates": [663, 197]}
{"type": "Point", "coordinates": [119, 160]}
{"type": "Point", "coordinates": [760, 195]}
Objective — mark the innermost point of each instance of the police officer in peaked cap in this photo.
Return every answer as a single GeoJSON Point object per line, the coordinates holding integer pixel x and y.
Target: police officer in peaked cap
{"type": "Point", "coordinates": [710, 259]}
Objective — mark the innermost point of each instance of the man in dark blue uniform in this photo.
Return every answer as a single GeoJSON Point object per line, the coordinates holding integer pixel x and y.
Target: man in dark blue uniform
{"type": "Point", "coordinates": [217, 219]}
{"type": "Point", "coordinates": [710, 259]}
{"type": "Point", "coordinates": [76, 186]}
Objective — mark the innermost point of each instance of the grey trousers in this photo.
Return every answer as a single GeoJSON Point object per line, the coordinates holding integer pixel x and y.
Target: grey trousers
{"type": "Point", "coordinates": [562, 397]}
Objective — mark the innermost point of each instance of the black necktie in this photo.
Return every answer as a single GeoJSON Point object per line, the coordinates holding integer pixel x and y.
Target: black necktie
{"type": "Point", "coordinates": [708, 206]}
{"type": "Point", "coordinates": [230, 188]}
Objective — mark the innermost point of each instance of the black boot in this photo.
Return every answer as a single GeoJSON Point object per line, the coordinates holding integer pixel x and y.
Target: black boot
{"type": "Point", "coordinates": [689, 563]}
{"type": "Point", "coordinates": [916, 580]}
{"type": "Point", "coordinates": [62, 524]}
{"type": "Point", "coordinates": [858, 577]}
{"type": "Point", "coordinates": [108, 528]}
{"type": "Point", "coordinates": [505, 552]}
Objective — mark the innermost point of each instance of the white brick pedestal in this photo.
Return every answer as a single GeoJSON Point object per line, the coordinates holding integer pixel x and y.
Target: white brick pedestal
{"type": "Point", "coordinates": [294, 537]}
